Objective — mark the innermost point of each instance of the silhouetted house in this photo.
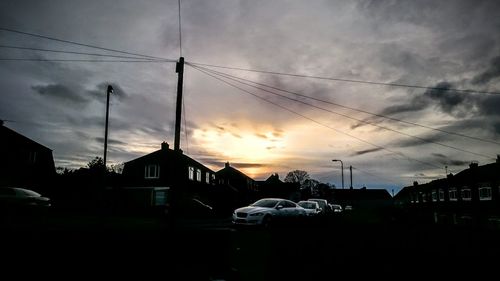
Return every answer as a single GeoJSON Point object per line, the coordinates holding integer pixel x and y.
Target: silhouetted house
{"type": "Point", "coordinates": [167, 167]}
{"type": "Point", "coordinates": [235, 180]}
{"type": "Point", "coordinates": [363, 198]}
{"type": "Point", "coordinates": [470, 197]}
{"type": "Point", "coordinates": [276, 188]}
{"type": "Point", "coordinates": [24, 162]}
{"type": "Point", "coordinates": [185, 177]}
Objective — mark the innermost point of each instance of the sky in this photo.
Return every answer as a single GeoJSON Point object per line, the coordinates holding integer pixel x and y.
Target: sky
{"type": "Point", "coordinates": [435, 44]}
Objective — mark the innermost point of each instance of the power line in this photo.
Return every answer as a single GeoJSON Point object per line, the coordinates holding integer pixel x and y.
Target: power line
{"type": "Point", "coordinates": [70, 52]}
{"type": "Point", "coordinates": [312, 120]}
{"type": "Point", "coordinates": [360, 110]}
{"type": "Point", "coordinates": [80, 44]}
{"type": "Point", "coordinates": [375, 176]}
{"type": "Point", "coordinates": [80, 60]}
{"type": "Point", "coordinates": [353, 118]}
{"type": "Point", "coordinates": [347, 80]}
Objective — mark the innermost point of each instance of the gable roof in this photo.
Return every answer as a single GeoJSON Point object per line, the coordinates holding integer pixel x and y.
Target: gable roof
{"type": "Point", "coordinates": [9, 136]}
{"type": "Point", "coordinates": [167, 153]}
{"type": "Point", "coordinates": [231, 170]}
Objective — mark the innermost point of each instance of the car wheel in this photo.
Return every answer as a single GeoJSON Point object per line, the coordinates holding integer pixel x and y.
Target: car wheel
{"type": "Point", "coordinates": [266, 221]}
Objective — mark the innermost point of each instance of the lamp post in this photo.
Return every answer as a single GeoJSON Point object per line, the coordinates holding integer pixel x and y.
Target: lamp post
{"type": "Point", "coordinates": [342, 169]}
{"type": "Point", "coordinates": [350, 172]}
{"type": "Point", "coordinates": [109, 91]}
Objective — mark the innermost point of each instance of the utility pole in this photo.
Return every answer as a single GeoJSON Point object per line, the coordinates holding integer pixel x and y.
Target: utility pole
{"type": "Point", "coordinates": [108, 92]}
{"type": "Point", "coordinates": [350, 169]}
{"type": "Point", "coordinates": [342, 168]}
{"type": "Point", "coordinates": [179, 68]}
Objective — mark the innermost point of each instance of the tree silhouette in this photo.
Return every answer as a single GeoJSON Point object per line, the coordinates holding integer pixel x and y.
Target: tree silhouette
{"type": "Point", "coordinates": [96, 164]}
{"type": "Point", "coordinates": [297, 176]}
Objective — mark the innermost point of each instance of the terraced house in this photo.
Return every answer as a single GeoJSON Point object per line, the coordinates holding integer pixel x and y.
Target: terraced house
{"type": "Point", "coordinates": [470, 197]}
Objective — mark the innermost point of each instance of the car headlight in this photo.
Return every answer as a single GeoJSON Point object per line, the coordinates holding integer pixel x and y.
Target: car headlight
{"type": "Point", "coordinates": [256, 214]}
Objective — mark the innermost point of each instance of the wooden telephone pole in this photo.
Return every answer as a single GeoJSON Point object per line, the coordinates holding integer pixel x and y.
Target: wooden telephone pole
{"type": "Point", "coordinates": [179, 68]}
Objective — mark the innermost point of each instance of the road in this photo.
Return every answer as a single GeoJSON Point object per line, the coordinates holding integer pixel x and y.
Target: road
{"type": "Point", "coordinates": [100, 246]}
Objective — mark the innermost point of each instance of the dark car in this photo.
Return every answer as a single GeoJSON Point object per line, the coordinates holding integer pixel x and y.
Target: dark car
{"type": "Point", "coordinates": [21, 198]}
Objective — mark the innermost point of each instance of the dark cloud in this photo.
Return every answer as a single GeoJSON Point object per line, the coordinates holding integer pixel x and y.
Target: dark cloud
{"type": "Point", "coordinates": [445, 160]}
{"type": "Point", "coordinates": [448, 101]}
{"type": "Point", "coordinates": [491, 73]}
{"type": "Point", "coordinates": [110, 141]}
{"type": "Point", "coordinates": [248, 165]}
{"type": "Point", "coordinates": [277, 133]}
{"type": "Point", "coordinates": [361, 152]}
{"type": "Point", "coordinates": [489, 105]}
{"type": "Point", "coordinates": [496, 128]}
{"type": "Point", "coordinates": [442, 97]}
{"type": "Point", "coordinates": [425, 139]}
{"type": "Point", "coordinates": [414, 104]}
{"type": "Point", "coordinates": [220, 128]}
{"type": "Point", "coordinates": [61, 93]}
{"type": "Point", "coordinates": [439, 155]}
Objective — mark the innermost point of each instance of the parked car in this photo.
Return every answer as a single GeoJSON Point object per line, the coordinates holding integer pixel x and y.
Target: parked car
{"type": "Point", "coordinates": [323, 204]}
{"type": "Point", "coordinates": [14, 197]}
{"type": "Point", "coordinates": [263, 211]}
{"type": "Point", "coordinates": [20, 203]}
{"type": "Point", "coordinates": [311, 207]}
{"type": "Point", "coordinates": [336, 208]}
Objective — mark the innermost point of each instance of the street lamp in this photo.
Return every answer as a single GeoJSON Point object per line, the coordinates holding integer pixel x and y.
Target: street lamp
{"type": "Point", "coordinates": [109, 91]}
{"type": "Point", "coordinates": [342, 168]}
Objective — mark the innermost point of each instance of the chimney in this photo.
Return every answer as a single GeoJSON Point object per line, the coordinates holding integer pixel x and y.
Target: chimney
{"type": "Point", "coordinates": [498, 158]}
{"type": "Point", "coordinates": [164, 146]}
{"type": "Point", "coordinates": [415, 183]}
{"type": "Point", "coordinates": [473, 164]}
{"type": "Point", "coordinates": [226, 165]}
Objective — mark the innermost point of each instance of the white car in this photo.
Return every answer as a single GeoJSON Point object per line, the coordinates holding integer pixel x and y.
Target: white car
{"type": "Point", "coordinates": [336, 208]}
{"type": "Point", "coordinates": [323, 204]}
{"type": "Point", "coordinates": [312, 208]}
{"type": "Point", "coordinates": [265, 210]}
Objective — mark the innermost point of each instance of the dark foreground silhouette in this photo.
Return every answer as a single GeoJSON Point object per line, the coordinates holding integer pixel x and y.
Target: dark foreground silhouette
{"type": "Point", "coordinates": [65, 246]}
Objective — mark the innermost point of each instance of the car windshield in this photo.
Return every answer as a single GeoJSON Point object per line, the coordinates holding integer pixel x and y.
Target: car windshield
{"type": "Point", "coordinates": [308, 205]}
{"type": "Point", "coordinates": [321, 203]}
{"type": "Point", "coordinates": [266, 203]}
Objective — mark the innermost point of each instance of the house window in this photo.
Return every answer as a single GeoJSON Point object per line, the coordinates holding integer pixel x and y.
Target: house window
{"type": "Point", "coordinates": [151, 171]}
{"type": "Point", "coordinates": [465, 194]}
{"type": "Point", "coordinates": [485, 193]}
{"type": "Point", "coordinates": [32, 157]}
{"type": "Point", "coordinates": [191, 173]}
{"type": "Point", "coordinates": [207, 177]}
{"type": "Point", "coordinates": [423, 195]}
{"type": "Point", "coordinates": [213, 178]}
{"type": "Point", "coordinates": [441, 195]}
{"type": "Point", "coordinates": [198, 174]}
{"type": "Point", "coordinates": [413, 198]}
{"type": "Point", "coordinates": [452, 194]}
{"type": "Point", "coordinates": [434, 196]}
